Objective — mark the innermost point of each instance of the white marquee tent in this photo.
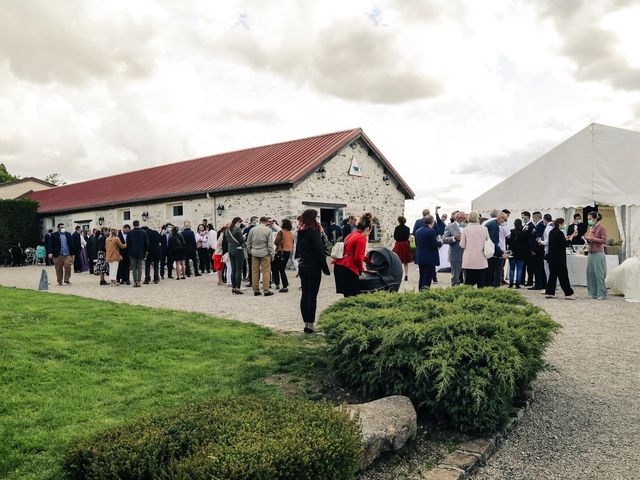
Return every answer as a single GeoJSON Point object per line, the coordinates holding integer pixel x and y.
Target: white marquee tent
{"type": "Point", "coordinates": [599, 165]}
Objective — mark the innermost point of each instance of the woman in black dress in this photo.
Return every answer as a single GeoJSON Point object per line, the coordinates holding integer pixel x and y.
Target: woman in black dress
{"type": "Point", "coordinates": [178, 252]}
{"type": "Point", "coordinates": [402, 248]}
{"type": "Point", "coordinates": [312, 263]}
{"type": "Point", "coordinates": [102, 267]}
{"type": "Point", "coordinates": [557, 259]}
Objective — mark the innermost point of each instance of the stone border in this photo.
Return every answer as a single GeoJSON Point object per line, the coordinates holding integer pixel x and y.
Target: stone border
{"type": "Point", "coordinates": [470, 455]}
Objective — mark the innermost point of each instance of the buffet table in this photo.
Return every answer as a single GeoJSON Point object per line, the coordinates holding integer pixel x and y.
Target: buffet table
{"type": "Point", "coordinates": [577, 266]}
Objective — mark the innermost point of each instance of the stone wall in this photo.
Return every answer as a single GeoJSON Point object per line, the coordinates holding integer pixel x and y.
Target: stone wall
{"type": "Point", "coordinates": [363, 194]}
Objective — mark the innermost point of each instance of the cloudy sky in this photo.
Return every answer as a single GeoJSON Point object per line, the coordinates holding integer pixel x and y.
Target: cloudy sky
{"type": "Point", "coordinates": [457, 94]}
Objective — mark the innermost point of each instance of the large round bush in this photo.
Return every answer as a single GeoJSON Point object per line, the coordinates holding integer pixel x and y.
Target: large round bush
{"type": "Point", "coordinates": [232, 439]}
{"type": "Point", "coordinates": [460, 354]}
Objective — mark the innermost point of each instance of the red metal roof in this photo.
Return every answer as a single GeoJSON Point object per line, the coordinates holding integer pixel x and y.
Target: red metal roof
{"type": "Point", "coordinates": [278, 164]}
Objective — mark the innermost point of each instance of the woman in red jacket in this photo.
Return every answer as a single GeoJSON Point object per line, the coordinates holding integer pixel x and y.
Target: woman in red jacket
{"type": "Point", "coordinates": [347, 269]}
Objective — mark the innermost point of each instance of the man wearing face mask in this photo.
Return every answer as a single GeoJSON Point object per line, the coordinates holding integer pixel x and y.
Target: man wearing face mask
{"type": "Point", "coordinates": [59, 250]}
{"type": "Point", "coordinates": [579, 226]}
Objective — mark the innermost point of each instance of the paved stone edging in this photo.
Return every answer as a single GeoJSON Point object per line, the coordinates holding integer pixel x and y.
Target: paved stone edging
{"type": "Point", "coordinates": [470, 455]}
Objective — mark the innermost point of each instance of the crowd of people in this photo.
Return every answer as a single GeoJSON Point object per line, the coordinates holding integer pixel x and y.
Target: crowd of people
{"type": "Point", "coordinates": [536, 249]}
{"type": "Point", "coordinates": [259, 252]}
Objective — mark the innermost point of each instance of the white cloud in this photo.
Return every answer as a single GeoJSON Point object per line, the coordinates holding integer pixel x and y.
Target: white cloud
{"type": "Point", "coordinates": [456, 94]}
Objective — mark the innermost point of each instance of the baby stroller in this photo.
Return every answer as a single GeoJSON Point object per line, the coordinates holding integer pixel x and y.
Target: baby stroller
{"type": "Point", "coordinates": [384, 271]}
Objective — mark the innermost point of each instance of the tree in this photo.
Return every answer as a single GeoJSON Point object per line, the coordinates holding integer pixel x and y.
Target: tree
{"type": "Point", "coordinates": [55, 178]}
{"type": "Point", "coordinates": [6, 176]}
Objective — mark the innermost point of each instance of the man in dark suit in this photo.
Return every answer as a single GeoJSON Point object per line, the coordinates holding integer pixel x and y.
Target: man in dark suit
{"type": "Point", "coordinates": [153, 256]}
{"type": "Point", "coordinates": [527, 232]}
{"type": "Point", "coordinates": [137, 245]}
{"type": "Point", "coordinates": [123, 267]}
{"type": "Point", "coordinates": [578, 226]}
{"type": "Point", "coordinates": [496, 264]}
{"type": "Point", "coordinates": [427, 254]}
{"type": "Point", "coordinates": [92, 250]}
{"type": "Point", "coordinates": [537, 253]}
{"type": "Point", "coordinates": [420, 222]}
{"type": "Point", "coordinates": [59, 249]}
{"type": "Point", "coordinates": [190, 248]}
{"type": "Point", "coordinates": [76, 248]}
{"type": "Point", "coordinates": [165, 255]}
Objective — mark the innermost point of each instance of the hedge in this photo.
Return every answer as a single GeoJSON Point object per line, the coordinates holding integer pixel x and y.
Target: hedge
{"type": "Point", "coordinates": [229, 438]}
{"type": "Point", "coordinates": [461, 354]}
{"type": "Point", "coordinates": [18, 224]}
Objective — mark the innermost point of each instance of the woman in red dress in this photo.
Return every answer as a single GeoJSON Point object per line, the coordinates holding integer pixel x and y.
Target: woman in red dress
{"type": "Point", "coordinates": [347, 269]}
{"type": "Point", "coordinates": [402, 248]}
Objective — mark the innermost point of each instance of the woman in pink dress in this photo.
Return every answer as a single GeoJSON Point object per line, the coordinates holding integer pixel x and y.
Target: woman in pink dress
{"type": "Point", "coordinates": [472, 240]}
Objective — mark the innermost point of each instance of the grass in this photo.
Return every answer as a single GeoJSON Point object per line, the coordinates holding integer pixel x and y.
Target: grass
{"type": "Point", "coordinates": [71, 366]}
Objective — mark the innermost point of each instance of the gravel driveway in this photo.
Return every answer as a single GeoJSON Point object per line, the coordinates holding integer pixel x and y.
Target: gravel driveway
{"type": "Point", "coordinates": [585, 420]}
{"type": "Point", "coordinates": [196, 294]}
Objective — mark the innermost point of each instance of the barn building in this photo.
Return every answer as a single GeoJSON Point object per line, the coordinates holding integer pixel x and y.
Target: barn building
{"type": "Point", "coordinates": [22, 187]}
{"type": "Point", "coordinates": [339, 174]}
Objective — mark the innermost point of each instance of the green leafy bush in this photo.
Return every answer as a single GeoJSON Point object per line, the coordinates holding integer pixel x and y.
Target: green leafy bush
{"type": "Point", "coordinates": [19, 222]}
{"type": "Point", "coordinates": [230, 438]}
{"type": "Point", "coordinates": [460, 354]}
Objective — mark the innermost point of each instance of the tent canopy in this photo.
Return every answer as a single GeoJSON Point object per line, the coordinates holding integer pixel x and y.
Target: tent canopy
{"type": "Point", "coordinates": [597, 165]}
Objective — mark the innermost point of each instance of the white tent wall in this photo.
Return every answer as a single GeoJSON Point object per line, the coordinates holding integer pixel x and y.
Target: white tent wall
{"type": "Point", "coordinates": [599, 165]}
{"type": "Point", "coordinates": [633, 231]}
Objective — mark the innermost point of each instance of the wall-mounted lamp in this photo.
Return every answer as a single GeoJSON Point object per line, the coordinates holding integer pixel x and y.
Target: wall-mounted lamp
{"type": "Point", "coordinates": [385, 179]}
{"type": "Point", "coordinates": [322, 171]}
{"type": "Point", "coordinates": [145, 216]}
{"type": "Point", "coordinates": [220, 210]}
{"type": "Point", "coordinates": [100, 221]}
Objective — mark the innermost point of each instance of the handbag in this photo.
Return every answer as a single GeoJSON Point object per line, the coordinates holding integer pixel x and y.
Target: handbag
{"type": "Point", "coordinates": [489, 248]}
{"type": "Point", "coordinates": [327, 245]}
{"type": "Point", "coordinates": [337, 251]}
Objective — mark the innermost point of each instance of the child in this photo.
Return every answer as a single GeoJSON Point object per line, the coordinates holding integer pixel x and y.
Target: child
{"type": "Point", "coordinates": [41, 254]}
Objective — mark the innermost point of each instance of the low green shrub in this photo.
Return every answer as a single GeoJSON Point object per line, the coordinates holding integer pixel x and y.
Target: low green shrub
{"type": "Point", "coordinates": [461, 354]}
{"type": "Point", "coordinates": [230, 438]}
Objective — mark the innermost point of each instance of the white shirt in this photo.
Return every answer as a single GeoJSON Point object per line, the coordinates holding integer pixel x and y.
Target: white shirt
{"type": "Point", "coordinates": [213, 237]}
{"type": "Point", "coordinates": [505, 233]}
{"type": "Point", "coordinates": [545, 236]}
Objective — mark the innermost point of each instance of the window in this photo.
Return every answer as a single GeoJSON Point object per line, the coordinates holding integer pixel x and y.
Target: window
{"type": "Point", "coordinates": [85, 227]}
{"type": "Point", "coordinates": [177, 210]}
{"type": "Point", "coordinates": [126, 215]}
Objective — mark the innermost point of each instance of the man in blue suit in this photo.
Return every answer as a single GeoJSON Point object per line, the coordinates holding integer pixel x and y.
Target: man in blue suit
{"type": "Point", "coordinates": [496, 265]}
{"type": "Point", "coordinates": [420, 222]}
{"type": "Point", "coordinates": [137, 246]}
{"type": "Point", "coordinates": [427, 254]}
{"type": "Point", "coordinates": [60, 249]}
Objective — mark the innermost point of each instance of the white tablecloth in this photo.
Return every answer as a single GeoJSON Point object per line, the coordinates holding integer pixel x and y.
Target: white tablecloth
{"type": "Point", "coordinates": [444, 257]}
{"type": "Point", "coordinates": [577, 266]}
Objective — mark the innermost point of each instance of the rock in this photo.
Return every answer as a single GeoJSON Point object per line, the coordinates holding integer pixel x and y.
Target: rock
{"type": "Point", "coordinates": [464, 461]}
{"type": "Point", "coordinates": [386, 425]}
{"type": "Point", "coordinates": [479, 446]}
{"type": "Point", "coordinates": [444, 474]}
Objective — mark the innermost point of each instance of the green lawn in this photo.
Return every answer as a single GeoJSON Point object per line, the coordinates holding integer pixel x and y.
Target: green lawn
{"type": "Point", "coordinates": [70, 366]}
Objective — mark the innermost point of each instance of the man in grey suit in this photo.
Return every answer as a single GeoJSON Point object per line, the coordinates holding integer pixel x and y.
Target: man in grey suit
{"type": "Point", "coordinates": [451, 237]}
